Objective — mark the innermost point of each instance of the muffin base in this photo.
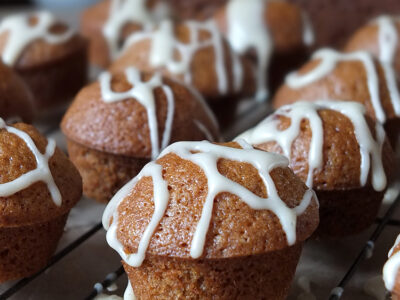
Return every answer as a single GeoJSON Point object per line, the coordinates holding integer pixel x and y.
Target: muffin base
{"type": "Point", "coordinates": [103, 173]}
{"type": "Point", "coordinates": [25, 250]}
{"type": "Point", "coordinates": [347, 212]}
{"type": "Point", "coordinates": [266, 276]}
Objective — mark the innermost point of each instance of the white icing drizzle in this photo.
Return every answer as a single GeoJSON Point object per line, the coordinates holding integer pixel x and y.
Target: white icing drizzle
{"type": "Point", "coordinates": [329, 59]}
{"type": "Point", "coordinates": [247, 30]}
{"type": "Point", "coordinates": [129, 294]}
{"type": "Point", "coordinates": [388, 40]}
{"type": "Point", "coordinates": [143, 92]}
{"type": "Point", "coordinates": [21, 33]}
{"type": "Point", "coordinates": [41, 173]}
{"type": "Point", "coordinates": [205, 155]}
{"type": "Point", "coordinates": [123, 12]}
{"type": "Point", "coordinates": [204, 130]}
{"type": "Point", "coordinates": [268, 131]}
{"type": "Point", "coordinates": [165, 46]}
{"type": "Point", "coordinates": [392, 266]}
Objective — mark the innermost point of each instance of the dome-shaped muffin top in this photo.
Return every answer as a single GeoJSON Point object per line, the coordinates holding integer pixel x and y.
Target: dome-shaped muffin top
{"type": "Point", "coordinates": [37, 182]}
{"type": "Point", "coordinates": [379, 37]}
{"type": "Point", "coordinates": [115, 20]}
{"type": "Point", "coordinates": [204, 200]}
{"type": "Point", "coordinates": [29, 40]}
{"type": "Point", "coordinates": [354, 76]}
{"type": "Point", "coordinates": [137, 114]}
{"type": "Point", "coordinates": [16, 100]}
{"type": "Point", "coordinates": [260, 28]}
{"type": "Point", "coordinates": [331, 145]}
{"type": "Point", "coordinates": [193, 52]}
{"type": "Point", "coordinates": [391, 269]}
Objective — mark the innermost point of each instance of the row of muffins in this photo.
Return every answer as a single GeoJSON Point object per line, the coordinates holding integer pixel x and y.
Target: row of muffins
{"type": "Point", "coordinates": [132, 83]}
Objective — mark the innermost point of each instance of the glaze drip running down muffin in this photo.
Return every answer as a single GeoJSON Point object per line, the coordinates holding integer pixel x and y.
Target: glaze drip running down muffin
{"type": "Point", "coordinates": [354, 76]}
{"type": "Point", "coordinates": [254, 27]}
{"type": "Point", "coordinates": [180, 214]}
{"type": "Point", "coordinates": [48, 55]}
{"type": "Point", "coordinates": [108, 23]}
{"type": "Point", "coordinates": [39, 186]}
{"type": "Point", "coordinates": [336, 149]}
{"type": "Point", "coordinates": [391, 270]}
{"type": "Point", "coordinates": [119, 123]}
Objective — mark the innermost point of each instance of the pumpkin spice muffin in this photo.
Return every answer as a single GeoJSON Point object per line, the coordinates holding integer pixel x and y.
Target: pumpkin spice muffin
{"type": "Point", "coordinates": [108, 23]}
{"type": "Point", "coordinates": [16, 102]}
{"type": "Point", "coordinates": [275, 34]}
{"type": "Point", "coordinates": [391, 276]}
{"type": "Point", "coordinates": [354, 76]}
{"type": "Point", "coordinates": [119, 123]}
{"type": "Point", "coordinates": [212, 221]}
{"type": "Point", "coordinates": [38, 187]}
{"type": "Point", "coordinates": [47, 54]}
{"type": "Point", "coordinates": [338, 151]}
{"type": "Point", "coordinates": [196, 54]}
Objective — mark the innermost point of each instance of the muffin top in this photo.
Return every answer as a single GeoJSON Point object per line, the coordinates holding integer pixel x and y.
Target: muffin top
{"type": "Point", "coordinates": [380, 37]}
{"type": "Point", "coordinates": [36, 39]}
{"type": "Point", "coordinates": [137, 114]}
{"type": "Point", "coordinates": [116, 20]}
{"type": "Point", "coordinates": [331, 145]}
{"type": "Point", "coordinates": [204, 200]}
{"type": "Point", "coordinates": [391, 276]}
{"type": "Point", "coordinates": [354, 76]}
{"type": "Point", "coordinates": [193, 52]}
{"type": "Point", "coordinates": [16, 100]}
{"type": "Point", "coordinates": [37, 181]}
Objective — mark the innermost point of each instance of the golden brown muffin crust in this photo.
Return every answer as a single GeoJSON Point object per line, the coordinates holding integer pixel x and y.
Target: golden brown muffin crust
{"type": "Point", "coordinates": [122, 127]}
{"type": "Point", "coordinates": [34, 204]}
{"type": "Point", "coordinates": [341, 152]}
{"type": "Point", "coordinates": [235, 228]}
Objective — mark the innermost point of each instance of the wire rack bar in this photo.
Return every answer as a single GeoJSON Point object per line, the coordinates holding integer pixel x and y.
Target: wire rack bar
{"type": "Point", "coordinates": [99, 287]}
{"type": "Point", "coordinates": [366, 252]}
{"type": "Point", "coordinates": [22, 283]}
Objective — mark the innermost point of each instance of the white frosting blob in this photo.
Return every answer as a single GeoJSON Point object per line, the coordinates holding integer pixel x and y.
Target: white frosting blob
{"type": "Point", "coordinates": [268, 131]}
{"type": "Point", "coordinates": [143, 92]}
{"type": "Point", "coordinates": [206, 155]}
{"type": "Point", "coordinates": [21, 33]}
{"type": "Point", "coordinates": [391, 267]}
{"type": "Point", "coordinates": [329, 58]}
{"type": "Point", "coordinates": [41, 173]}
{"type": "Point", "coordinates": [164, 46]}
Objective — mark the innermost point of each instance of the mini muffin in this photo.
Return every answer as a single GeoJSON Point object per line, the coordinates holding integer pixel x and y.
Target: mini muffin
{"type": "Point", "coordinates": [108, 23]}
{"type": "Point", "coordinates": [354, 76]}
{"type": "Point", "coordinates": [196, 54]}
{"type": "Point", "coordinates": [47, 54]}
{"type": "Point", "coordinates": [16, 101]}
{"type": "Point", "coordinates": [212, 221]}
{"type": "Point", "coordinates": [337, 150]}
{"type": "Point", "coordinates": [336, 20]}
{"type": "Point", "coordinates": [119, 123]}
{"type": "Point", "coordinates": [38, 187]}
{"type": "Point", "coordinates": [275, 34]}
{"type": "Point", "coordinates": [391, 271]}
